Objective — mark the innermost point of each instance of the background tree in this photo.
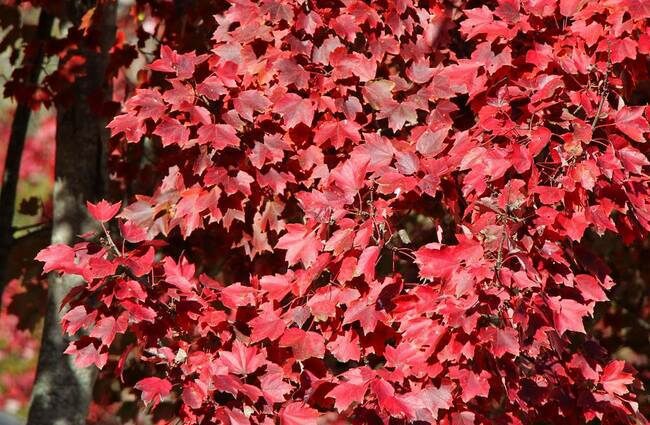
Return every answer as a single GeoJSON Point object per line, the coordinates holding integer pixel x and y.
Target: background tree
{"type": "Point", "coordinates": [62, 392]}
{"type": "Point", "coordinates": [32, 67]}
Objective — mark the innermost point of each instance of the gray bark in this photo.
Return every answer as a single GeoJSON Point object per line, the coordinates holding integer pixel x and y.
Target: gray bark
{"type": "Point", "coordinates": [62, 392]}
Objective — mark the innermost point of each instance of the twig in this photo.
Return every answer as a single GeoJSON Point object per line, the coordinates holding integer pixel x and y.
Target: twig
{"type": "Point", "coordinates": [110, 240]}
{"type": "Point", "coordinates": [30, 226]}
{"type": "Point", "coordinates": [604, 92]}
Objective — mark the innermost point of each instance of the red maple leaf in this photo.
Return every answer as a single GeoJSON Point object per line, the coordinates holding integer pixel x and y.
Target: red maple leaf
{"type": "Point", "coordinates": [154, 389]}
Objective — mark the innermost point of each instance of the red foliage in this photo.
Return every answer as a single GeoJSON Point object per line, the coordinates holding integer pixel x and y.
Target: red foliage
{"type": "Point", "coordinates": [377, 213]}
{"type": "Point", "coordinates": [18, 353]}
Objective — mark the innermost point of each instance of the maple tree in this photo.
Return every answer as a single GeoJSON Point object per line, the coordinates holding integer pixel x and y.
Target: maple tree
{"type": "Point", "coordinates": [371, 212]}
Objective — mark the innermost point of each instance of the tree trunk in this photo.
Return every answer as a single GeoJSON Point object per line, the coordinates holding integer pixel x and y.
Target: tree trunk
{"type": "Point", "coordinates": [62, 392]}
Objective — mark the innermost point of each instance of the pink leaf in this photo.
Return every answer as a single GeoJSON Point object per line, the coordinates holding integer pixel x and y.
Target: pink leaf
{"type": "Point", "coordinates": [103, 211]}
{"type": "Point", "coordinates": [153, 389]}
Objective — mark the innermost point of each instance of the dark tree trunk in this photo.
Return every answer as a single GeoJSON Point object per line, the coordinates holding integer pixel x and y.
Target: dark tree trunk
{"type": "Point", "coordinates": [62, 392]}
{"type": "Point", "coordinates": [15, 151]}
